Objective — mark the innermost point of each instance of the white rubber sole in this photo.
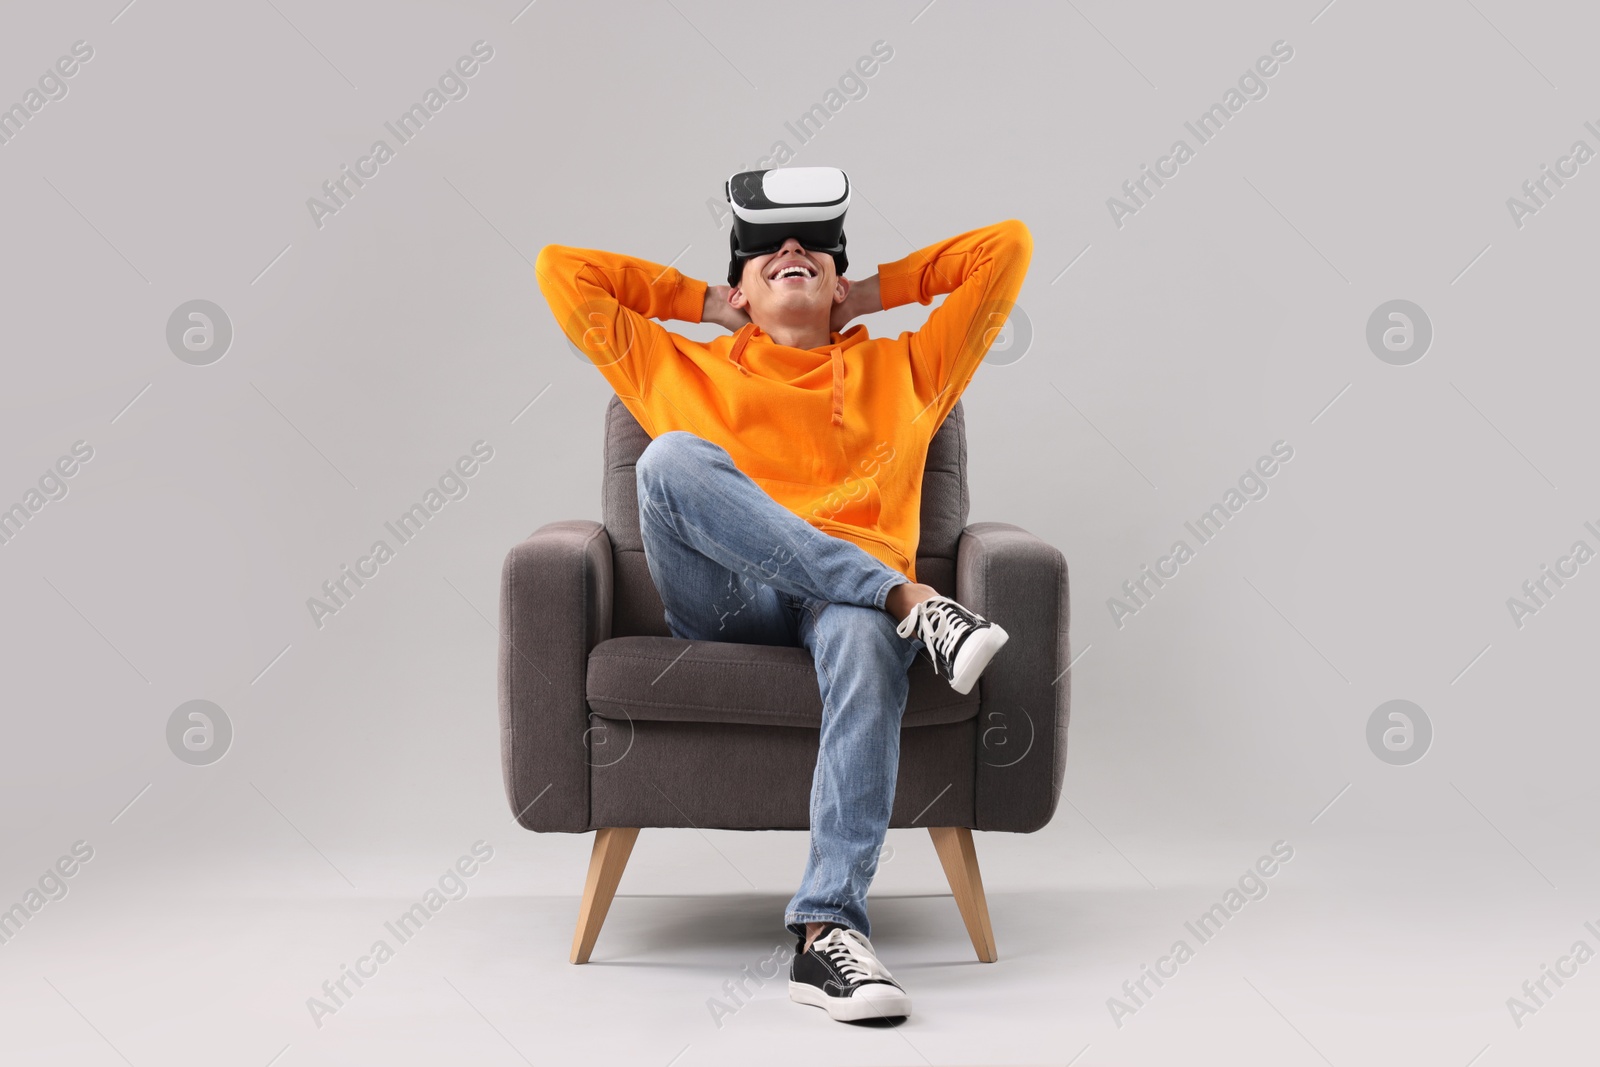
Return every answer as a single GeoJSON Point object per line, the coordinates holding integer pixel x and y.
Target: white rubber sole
{"type": "Point", "coordinates": [975, 656]}
{"type": "Point", "coordinates": [851, 1009]}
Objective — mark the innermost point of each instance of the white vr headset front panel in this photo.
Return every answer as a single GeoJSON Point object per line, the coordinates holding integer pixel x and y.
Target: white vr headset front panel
{"type": "Point", "coordinates": [804, 185]}
{"type": "Point", "coordinates": [799, 194]}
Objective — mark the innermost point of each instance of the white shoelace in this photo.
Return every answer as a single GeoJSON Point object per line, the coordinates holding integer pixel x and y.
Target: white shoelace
{"type": "Point", "coordinates": [939, 622]}
{"type": "Point", "coordinates": [852, 954]}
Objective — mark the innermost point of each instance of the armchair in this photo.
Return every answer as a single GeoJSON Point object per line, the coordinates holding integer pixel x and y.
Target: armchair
{"type": "Point", "coordinates": [594, 737]}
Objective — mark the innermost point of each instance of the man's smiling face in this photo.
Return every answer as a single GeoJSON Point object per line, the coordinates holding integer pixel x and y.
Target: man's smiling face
{"type": "Point", "coordinates": [790, 285]}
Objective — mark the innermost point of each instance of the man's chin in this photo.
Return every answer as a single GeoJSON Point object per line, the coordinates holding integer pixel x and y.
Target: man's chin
{"type": "Point", "coordinates": [791, 303]}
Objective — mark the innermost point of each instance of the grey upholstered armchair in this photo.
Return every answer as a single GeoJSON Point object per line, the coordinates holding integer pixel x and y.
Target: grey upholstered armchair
{"type": "Point", "coordinates": [594, 736]}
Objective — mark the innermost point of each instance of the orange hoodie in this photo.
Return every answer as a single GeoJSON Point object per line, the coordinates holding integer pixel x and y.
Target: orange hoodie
{"type": "Point", "coordinates": [837, 434]}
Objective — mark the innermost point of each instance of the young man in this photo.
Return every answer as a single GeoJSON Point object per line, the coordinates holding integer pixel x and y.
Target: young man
{"type": "Point", "coordinates": [780, 503]}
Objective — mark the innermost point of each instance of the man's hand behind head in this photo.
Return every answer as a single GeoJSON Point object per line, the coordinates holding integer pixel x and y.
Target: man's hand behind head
{"type": "Point", "coordinates": [719, 311]}
{"type": "Point", "coordinates": [861, 298]}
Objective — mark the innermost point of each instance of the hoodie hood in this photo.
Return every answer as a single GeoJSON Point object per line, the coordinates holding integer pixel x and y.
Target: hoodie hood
{"type": "Point", "coordinates": [833, 351]}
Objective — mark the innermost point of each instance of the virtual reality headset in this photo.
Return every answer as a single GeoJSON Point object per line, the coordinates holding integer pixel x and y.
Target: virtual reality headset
{"type": "Point", "coordinates": [771, 206]}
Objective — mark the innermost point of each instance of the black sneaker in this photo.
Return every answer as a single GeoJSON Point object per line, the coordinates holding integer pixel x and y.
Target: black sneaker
{"type": "Point", "coordinates": [960, 642]}
{"type": "Point", "coordinates": [841, 974]}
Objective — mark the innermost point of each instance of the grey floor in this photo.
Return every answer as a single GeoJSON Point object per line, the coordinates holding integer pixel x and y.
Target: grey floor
{"type": "Point", "coordinates": [1363, 950]}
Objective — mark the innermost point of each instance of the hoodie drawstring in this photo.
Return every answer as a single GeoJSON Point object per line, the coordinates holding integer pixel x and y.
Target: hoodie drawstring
{"type": "Point", "coordinates": [838, 385]}
{"type": "Point", "coordinates": [742, 338]}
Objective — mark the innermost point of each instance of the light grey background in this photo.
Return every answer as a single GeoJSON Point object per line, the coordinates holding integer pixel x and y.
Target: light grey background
{"type": "Point", "coordinates": [369, 354]}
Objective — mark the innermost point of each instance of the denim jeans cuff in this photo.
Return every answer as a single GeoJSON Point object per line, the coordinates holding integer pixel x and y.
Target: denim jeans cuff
{"type": "Point", "coordinates": [882, 596]}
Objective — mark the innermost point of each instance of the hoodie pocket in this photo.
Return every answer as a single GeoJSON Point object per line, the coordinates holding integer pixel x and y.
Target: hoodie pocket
{"type": "Point", "coordinates": [855, 501]}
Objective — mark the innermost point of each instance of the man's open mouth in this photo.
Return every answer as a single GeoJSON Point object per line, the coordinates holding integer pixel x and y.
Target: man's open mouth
{"type": "Point", "coordinates": [793, 270]}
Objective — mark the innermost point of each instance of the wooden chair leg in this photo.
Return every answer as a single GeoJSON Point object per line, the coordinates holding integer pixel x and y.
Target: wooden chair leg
{"type": "Point", "coordinates": [960, 860]}
{"type": "Point", "coordinates": [612, 847]}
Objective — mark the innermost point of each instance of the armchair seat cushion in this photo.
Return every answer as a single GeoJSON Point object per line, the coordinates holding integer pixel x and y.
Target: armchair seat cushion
{"type": "Point", "coordinates": [672, 680]}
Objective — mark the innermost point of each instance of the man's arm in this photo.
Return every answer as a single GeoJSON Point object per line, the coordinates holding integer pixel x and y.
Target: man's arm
{"type": "Point", "coordinates": [982, 272]}
{"type": "Point", "coordinates": [606, 304]}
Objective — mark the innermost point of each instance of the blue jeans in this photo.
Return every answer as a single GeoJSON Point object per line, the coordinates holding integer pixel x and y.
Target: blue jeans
{"type": "Point", "coordinates": [732, 564]}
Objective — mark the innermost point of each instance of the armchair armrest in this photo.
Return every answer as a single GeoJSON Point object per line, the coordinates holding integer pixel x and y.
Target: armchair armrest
{"type": "Point", "coordinates": [555, 605]}
{"type": "Point", "coordinates": [1012, 578]}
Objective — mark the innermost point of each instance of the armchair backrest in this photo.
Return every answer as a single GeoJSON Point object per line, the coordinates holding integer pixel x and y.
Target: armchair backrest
{"type": "Point", "coordinates": [637, 608]}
